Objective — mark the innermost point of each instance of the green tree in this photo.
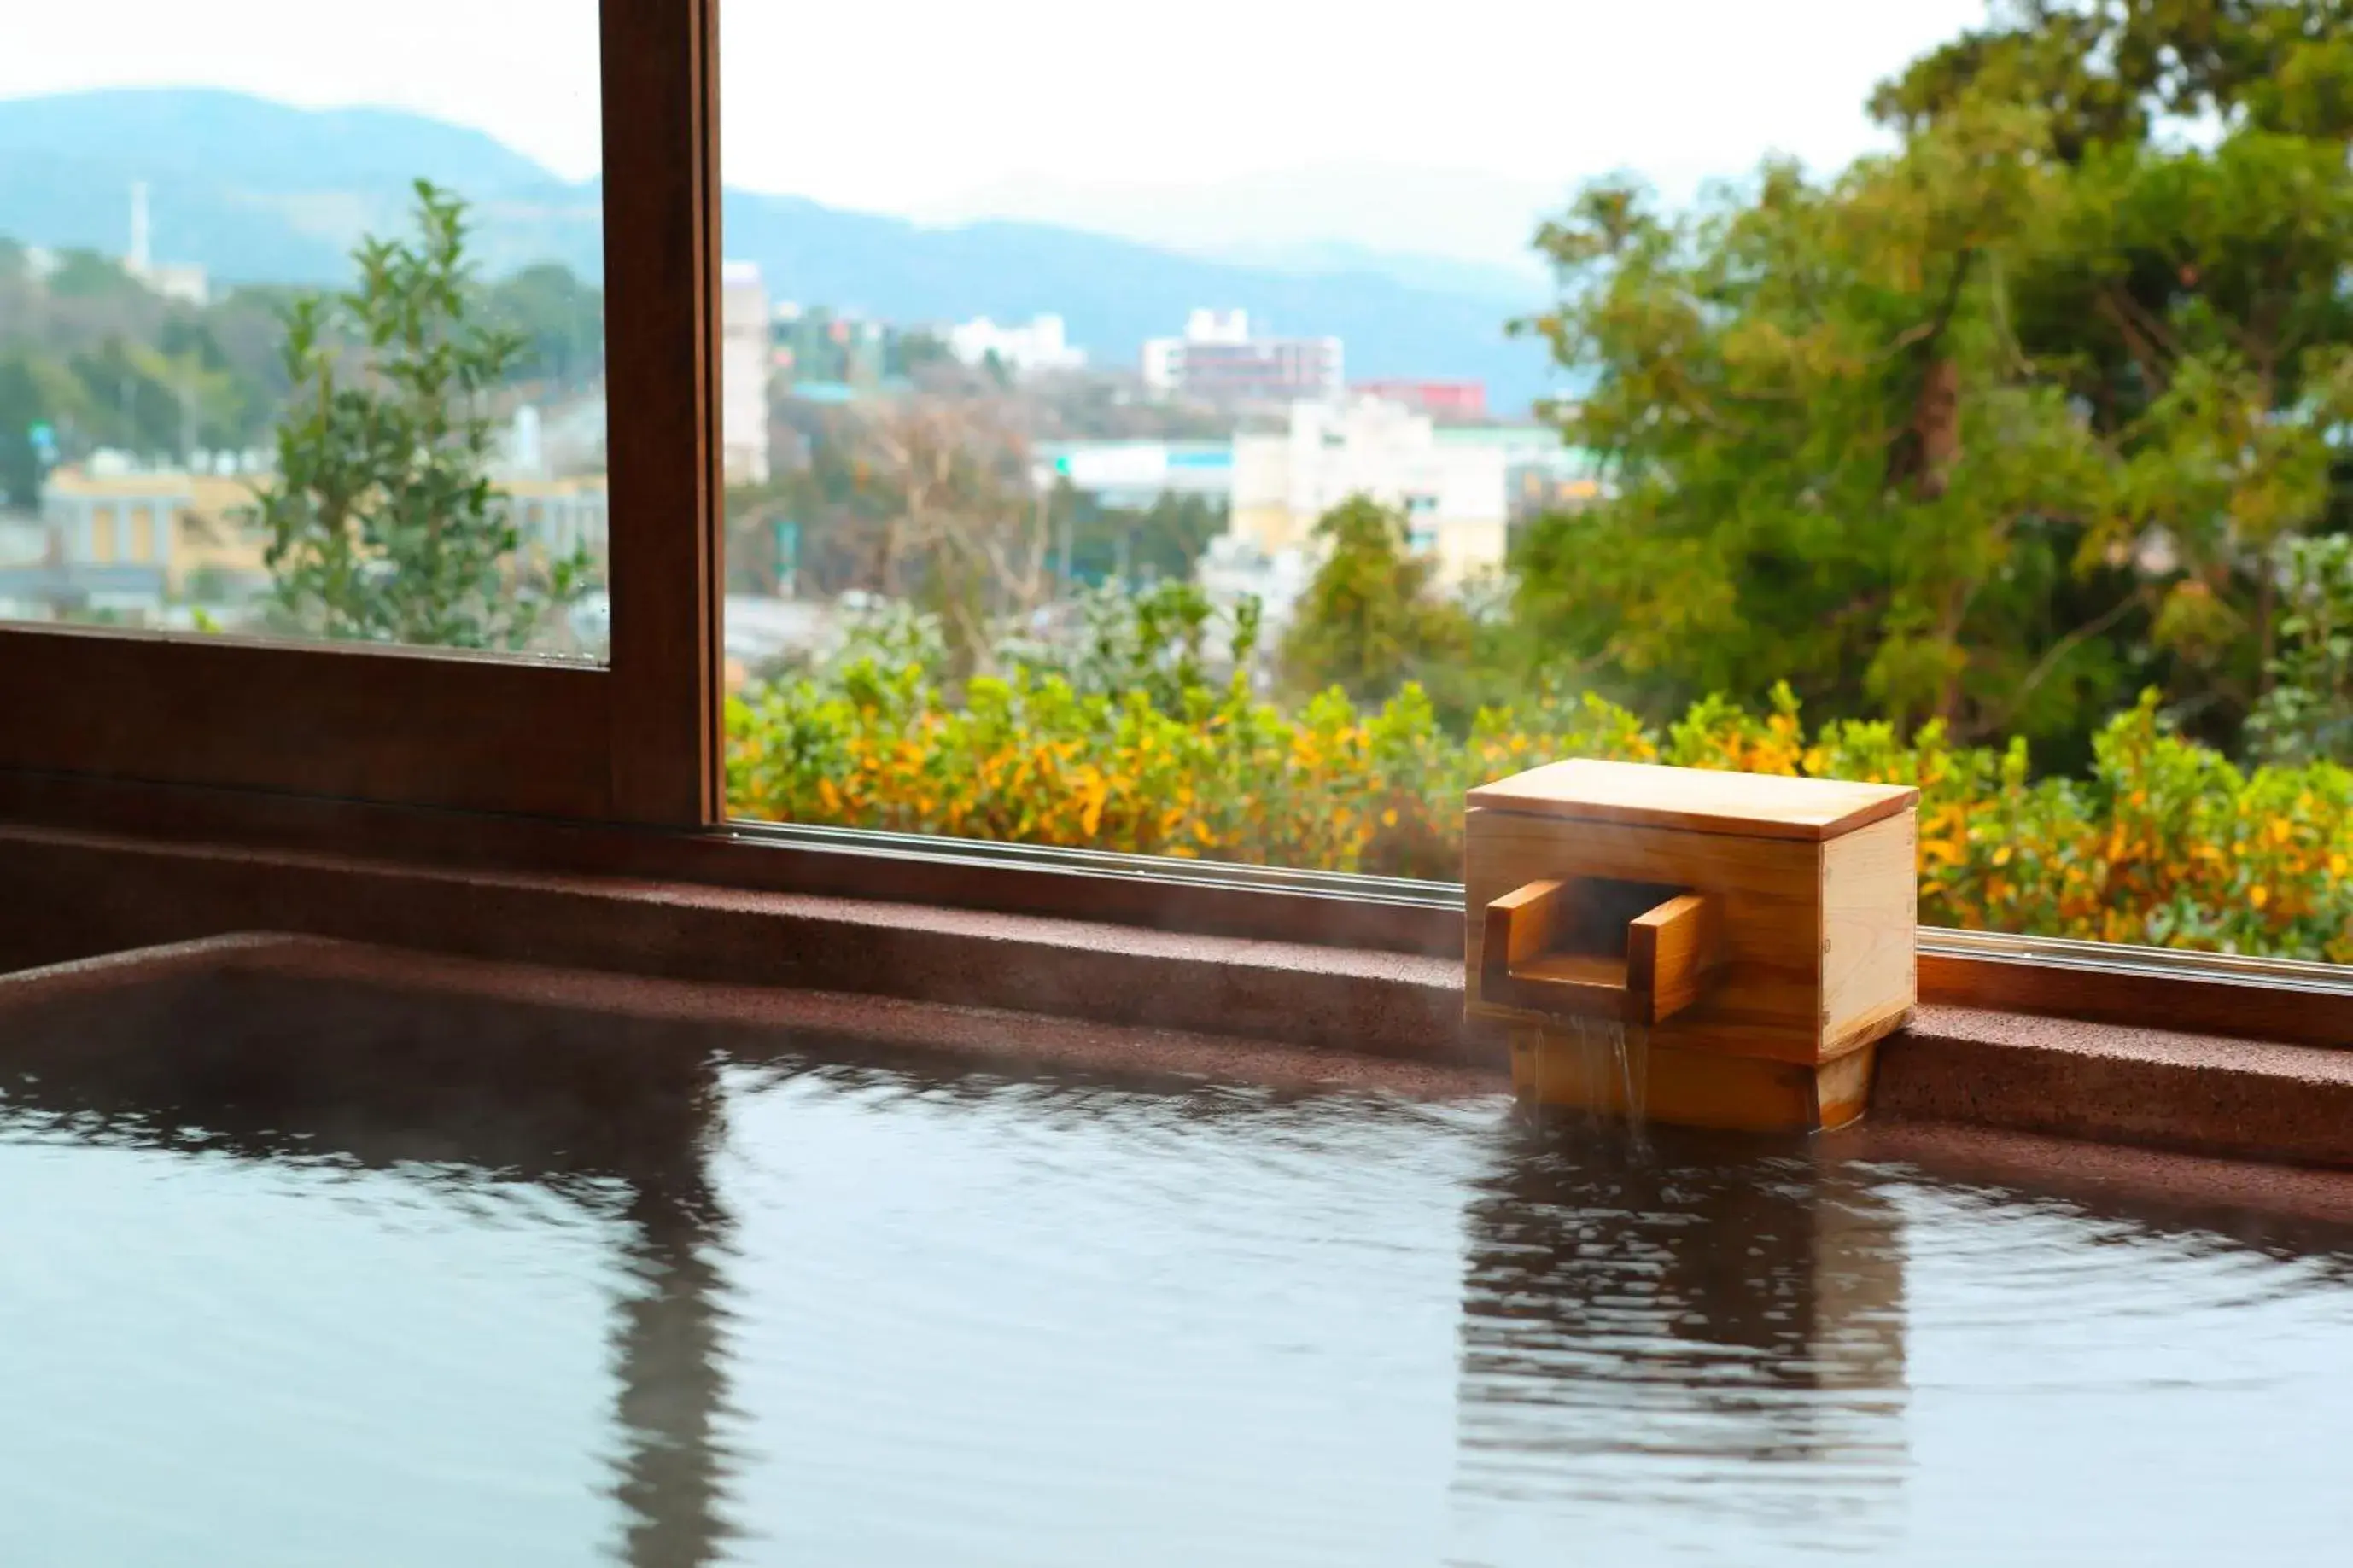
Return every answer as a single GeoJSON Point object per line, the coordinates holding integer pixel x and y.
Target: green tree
{"type": "Point", "coordinates": [908, 353]}
{"type": "Point", "coordinates": [2309, 712]}
{"type": "Point", "coordinates": [1156, 641]}
{"type": "Point", "coordinates": [87, 275]}
{"type": "Point", "coordinates": [559, 319]}
{"type": "Point", "coordinates": [1105, 542]}
{"type": "Point", "coordinates": [22, 407]}
{"type": "Point", "coordinates": [2106, 71]}
{"type": "Point", "coordinates": [1828, 464]}
{"type": "Point", "coordinates": [1371, 620]}
{"type": "Point", "coordinates": [2189, 298]}
{"type": "Point", "coordinates": [383, 521]}
{"type": "Point", "coordinates": [1994, 428]}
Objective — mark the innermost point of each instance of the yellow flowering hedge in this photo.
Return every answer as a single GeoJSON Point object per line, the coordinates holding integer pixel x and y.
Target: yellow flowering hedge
{"type": "Point", "coordinates": [2166, 842]}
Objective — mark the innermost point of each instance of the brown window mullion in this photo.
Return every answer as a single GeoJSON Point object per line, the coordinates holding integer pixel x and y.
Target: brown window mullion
{"type": "Point", "coordinates": [662, 294]}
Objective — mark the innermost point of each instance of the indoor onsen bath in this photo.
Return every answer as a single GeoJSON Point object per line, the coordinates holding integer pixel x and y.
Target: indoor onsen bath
{"type": "Point", "coordinates": [341, 1250]}
{"type": "Point", "coordinates": [1241, 786]}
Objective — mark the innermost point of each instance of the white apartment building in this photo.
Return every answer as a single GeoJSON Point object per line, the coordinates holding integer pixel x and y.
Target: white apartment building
{"type": "Point", "coordinates": [557, 517]}
{"type": "Point", "coordinates": [130, 539]}
{"type": "Point", "coordinates": [1218, 361]}
{"type": "Point", "coordinates": [173, 280]}
{"type": "Point", "coordinates": [1455, 496]}
{"type": "Point", "coordinates": [1137, 473]}
{"type": "Point", "coordinates": [1043, 346]}
{"type": "Point", "coordinates": [744, 374]}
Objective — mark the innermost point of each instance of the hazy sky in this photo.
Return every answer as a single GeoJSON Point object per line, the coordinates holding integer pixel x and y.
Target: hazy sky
{"type": "Point", "coordinates": [938, 108]}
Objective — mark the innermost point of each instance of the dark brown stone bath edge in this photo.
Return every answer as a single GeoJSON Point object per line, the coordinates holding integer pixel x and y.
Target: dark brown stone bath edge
{"type": "Point", "coordinates": [1057, 989]}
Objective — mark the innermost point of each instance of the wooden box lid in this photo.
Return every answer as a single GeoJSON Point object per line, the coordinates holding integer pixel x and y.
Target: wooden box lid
{"type": "Point", "coordinates": [1696, 800]}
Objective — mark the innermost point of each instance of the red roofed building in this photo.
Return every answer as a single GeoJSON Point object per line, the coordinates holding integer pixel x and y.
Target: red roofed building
{"type": "Point", "coordinates": [1447, 401]}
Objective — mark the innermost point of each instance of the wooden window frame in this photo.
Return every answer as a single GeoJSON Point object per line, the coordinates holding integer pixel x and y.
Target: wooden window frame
{"type": "Point", "coordinates": [635, 741]}
{"type": "Point", "coordinates": [556, 767]}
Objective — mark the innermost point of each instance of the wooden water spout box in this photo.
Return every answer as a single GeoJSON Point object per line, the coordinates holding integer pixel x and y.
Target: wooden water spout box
{"type": "Point", "coordinates": [1752, 936]}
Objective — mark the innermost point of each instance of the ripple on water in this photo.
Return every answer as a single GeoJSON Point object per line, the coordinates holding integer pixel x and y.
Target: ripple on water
{"type": "Point", "coordinates": [914, 1314]}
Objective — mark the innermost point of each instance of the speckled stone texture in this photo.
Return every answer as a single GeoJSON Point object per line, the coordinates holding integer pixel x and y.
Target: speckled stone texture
{"type": "Point", "coordinates": [1060, 990]}
{"type": "Point", "coordinates": [321, 998]}
{"type": "Point", "coordinates": [2100, 1081]}
{"type": "Point", "coordinates": [75, 896]}
{"type": "Point", "coordinates": [538, 1067]}
{"type": "Point", "coordinates": [2196, 1189]}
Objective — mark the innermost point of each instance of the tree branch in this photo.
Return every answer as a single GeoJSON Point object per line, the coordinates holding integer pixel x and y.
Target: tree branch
{"type": "Point", "coordinates": [2051, 657]}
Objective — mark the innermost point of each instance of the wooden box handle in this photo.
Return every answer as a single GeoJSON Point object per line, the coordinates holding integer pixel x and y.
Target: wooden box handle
{"type": "Point", "coordinates": [1538, 954]}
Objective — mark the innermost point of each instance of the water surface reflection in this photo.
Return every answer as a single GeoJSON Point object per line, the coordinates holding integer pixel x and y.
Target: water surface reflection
{"type": "Point", "coordinates": [443, 1115]}
{"type": "Point", "coordinates": [324, 1275]}
{"type": "Point", "coordinates": [1696, 1326]}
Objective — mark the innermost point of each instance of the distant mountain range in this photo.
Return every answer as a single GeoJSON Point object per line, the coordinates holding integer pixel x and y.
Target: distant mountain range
{"type": "Point", "coordinates": [1515, 290]}
{"type": "Point", "coordinates": [1453, 231]}
{"type": "Point", "coordinates": [257, 191]}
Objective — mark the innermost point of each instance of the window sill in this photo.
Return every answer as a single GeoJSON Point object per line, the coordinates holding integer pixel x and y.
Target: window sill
{"type": "Point", "coordinates": [1164, 1001]}
{"type": "Point", "coordinates": [2286, 1002]}
{"type": "Point", "coordinates": [79, 895]}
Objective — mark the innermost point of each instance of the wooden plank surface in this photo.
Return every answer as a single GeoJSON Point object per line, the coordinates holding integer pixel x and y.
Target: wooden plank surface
{"type": "Point", "coordinates": [1700, 800]}
{"type": "Point", "coordinates": [1524, 922]}
{"type": "Point", "coordinates": [1670, 954]}
{"type": "Point", "coordinates": [354, 722]}
{"type": "Point", "coordinates": [1763, 999]}
{"type": "Point", "coordinates": [1591, 971]}
{"type": "Point", "coordinates": [1681, 1085]}
{"type": "Point", "coordinates": [1869, 929]}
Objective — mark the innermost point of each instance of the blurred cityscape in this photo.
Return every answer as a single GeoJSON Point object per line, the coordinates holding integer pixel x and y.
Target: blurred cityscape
{"type": "Point", "coordinates": [1978, 412]}
{"type": "Point", "coordinates": [1210, 456]}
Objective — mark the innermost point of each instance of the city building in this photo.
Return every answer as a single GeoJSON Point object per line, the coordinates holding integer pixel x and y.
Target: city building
{"type": "Point", "coordinates": [556, 517]}
{"type": "Point", "coordinates": [1441, 400]}
{"type": "Point", "coordinates": [1542, 472]}
{"type": "Point", "coordinates": [1217, 360]}
{"type": "Point", "coordinates": [818, 344]}
{"type": "Point", "coordinates": [173, 280]}
{"type": "Point", "coordinates": [134, 542]}
{"type": "Point", "coordinates": [559, 440]}
{"type": "Point", "coordinates": [1537, 491]}
{"type": "Point", "coordinates": [1455, 495]}
{"type": "Point", "coordinates": [743, 360]}
{"type": "Point", "coordinates": [128, 541]}
{"type": "Point", "coordinates": [1024, 351]}
{"type": "Point", "coordinates": [1137, 473]}
{"type": "Point", "coordinates": [837, 393]}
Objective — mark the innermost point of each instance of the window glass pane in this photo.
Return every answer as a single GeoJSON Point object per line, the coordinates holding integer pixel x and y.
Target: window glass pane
{"type": "Point", "coordinates": [302, 332]}
{"type": "Point", "coordinates": [1841, 388]}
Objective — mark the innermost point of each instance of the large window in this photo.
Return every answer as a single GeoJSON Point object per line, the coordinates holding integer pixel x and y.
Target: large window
{"type": "Point", "coordinates": [1122, 458]}
{"type": "Point", "coordinates": [317, 456]}
{"type": "Point", "coordinates": [301, 324]}
{"type": "Point", "coordinates": [1054, 442]}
